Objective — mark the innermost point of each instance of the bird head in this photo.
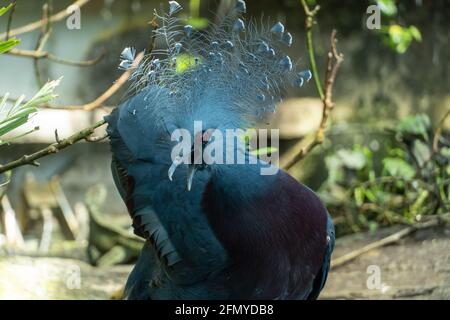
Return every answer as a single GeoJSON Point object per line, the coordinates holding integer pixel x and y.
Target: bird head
{"type": "Point", "coordinates": [229, 77]}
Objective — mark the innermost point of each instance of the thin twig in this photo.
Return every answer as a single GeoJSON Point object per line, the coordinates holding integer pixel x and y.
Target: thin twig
{"type": "Point", "coordinates": [96, 139]}
{"type": "Point", "coordinates": [51, 149]}
{"type": "Point", "coordinates": [98, 102]}
{"type": "Point", "coordinates": [46, 55]}
{"type": "Point", "coordinates": [155, 26]}
{"type": "Point", "coordinates": [38, 24]}
{"type": "Point", "coordinates": [109, 92]}
{"type": "Point", "coordinates": [309, 23]}
{"type": "Point", "coordinates": [57, 139]}
{"type": "Point", "coordinates": [393, 238]}
{"type": "Point", "coordinates": [334, 62]}
{"type": "Point", "coordinates": [11, 140]}
{"type": "Point", "coordinates": [42, 40]}
{"type": "Point", "coordinates": [10, 19]}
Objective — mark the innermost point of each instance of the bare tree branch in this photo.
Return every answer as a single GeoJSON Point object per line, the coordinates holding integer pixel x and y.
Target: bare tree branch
{"type": "Point", "coordinates": [334, 62]}
{"type": "Point", "coordinates": [46, 55]}
{"type": "Point", "coordinates": [38, 24]}
{"type": "Point", "coordinates": [51, 149]}
{"type": "Point", "coordinates": [42, 40]}
{"type": "Point", "coordinates": [97, 103]}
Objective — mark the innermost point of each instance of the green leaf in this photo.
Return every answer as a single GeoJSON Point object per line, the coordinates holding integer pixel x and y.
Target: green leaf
{"type": "Point", "coordinates": [354, 160]}
{"type": "Point", "coordinates": [401, 47]}
{"type": "Point", "coordinates": [397, 153]}
{"type": "Point", "coordinates": [44, 95]}
{"type": "Point", "coordinates": [421, 152]}
{"type": "Point", "coordinates": [7, 45]}
{"type": "Point", "coordinates": [370, 195]}
{"type": "Point", "coordinates": [359, 196]}
{"type": "Point", "coordinates": [184, 62]}
{"type": "Point", "coordinates": [445, 152]}
{"type": "Point", "coordinates": [415, 33]}
{"type": "Point", "coordinates": [22, 112]}
{"type": "Point", "coordinates": [418, 204]}
{"type": "Point", "coordinates": [382, 197]}
{"type": "Point", "coordinates": [3, 10]}
{"type": "Point", "coordinates": [335, 169]}
{"type": "Point", "coordinates": [400, 38]}
{"type": "Point", "coordinates": [12, 117]}
{"type": "Point", "coordinates": [397, 167]}
{"type": "Point", "coordinates": [10, 140]}
{"type": "Point", "coordinates": [263, 151]}
{"type": "Point", "coordinates": [11, 125]}
{"type": "Point", "coordinates": [387, 7]}
{"type": "Point", "coordinates": [373, 226]}
{"type": "Point", "coordinates": [417, 125]}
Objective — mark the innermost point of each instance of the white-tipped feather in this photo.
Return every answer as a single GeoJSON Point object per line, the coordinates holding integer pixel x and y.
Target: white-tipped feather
{"type": "Point", "coordinates": [241, 6]}
{"type": "Point", "coordinates": [223, 76]}
{"type": "Point", "coordinates": [174, 7]}
{"type": "Point", "coordinates": [278, 29]}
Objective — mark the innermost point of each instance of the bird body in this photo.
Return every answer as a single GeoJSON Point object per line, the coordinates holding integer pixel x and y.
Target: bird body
{"type": "Point", "coordinates": [237, 234]}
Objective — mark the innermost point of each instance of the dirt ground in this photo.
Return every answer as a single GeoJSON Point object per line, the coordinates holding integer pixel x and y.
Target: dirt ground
{"type": "Point", "coordinates": [417, 267]}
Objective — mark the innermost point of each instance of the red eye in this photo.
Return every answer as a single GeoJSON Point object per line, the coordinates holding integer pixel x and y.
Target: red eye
{"type": "Point", "coordinates": [207, 135]}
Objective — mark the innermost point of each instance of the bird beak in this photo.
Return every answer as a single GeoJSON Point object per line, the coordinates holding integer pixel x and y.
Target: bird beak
{"type": "Point", "coordinates": [174, 166]}
{"type": "Point", "coordinates": [190, 176]}
{"type": "Point", "coordinates": [191, 172]}
{"type": "Point", "coordinates": [197, 155]}
{"type": "Point", "coordinates": [192, 168]}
